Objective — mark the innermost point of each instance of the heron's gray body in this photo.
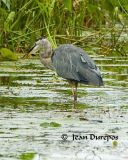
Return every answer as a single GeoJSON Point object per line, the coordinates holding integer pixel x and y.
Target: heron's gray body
{"type": "Point", "coordinates": [72, 63]}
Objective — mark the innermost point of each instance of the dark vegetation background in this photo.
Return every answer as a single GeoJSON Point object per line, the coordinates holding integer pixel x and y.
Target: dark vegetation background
{"type": "Point", "coordinates": [99, 26]}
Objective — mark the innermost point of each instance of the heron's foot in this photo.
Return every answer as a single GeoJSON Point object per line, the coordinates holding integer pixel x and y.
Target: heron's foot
{"type": "Point", "coordinates": [74, 108]}
{"type": "Point", "coordinates": [76, 111]}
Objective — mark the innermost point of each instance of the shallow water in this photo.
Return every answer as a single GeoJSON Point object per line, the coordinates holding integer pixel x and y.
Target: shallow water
{"type": "Point", "coordinates": [31, 95]}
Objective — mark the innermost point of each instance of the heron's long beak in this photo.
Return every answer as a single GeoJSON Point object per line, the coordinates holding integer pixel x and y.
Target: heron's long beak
{"type": "Point", "coordinates": [32, 50]}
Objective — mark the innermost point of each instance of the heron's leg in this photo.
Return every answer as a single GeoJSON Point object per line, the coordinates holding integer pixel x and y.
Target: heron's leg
{"type": "Point", "coordinates": [74, 91]}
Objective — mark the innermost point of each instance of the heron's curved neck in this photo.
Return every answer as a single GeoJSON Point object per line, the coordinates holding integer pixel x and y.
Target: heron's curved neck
{"type": "Point", "coordinates": [45, 55]}
{"type": "Point", "coordinates": [47, 50]}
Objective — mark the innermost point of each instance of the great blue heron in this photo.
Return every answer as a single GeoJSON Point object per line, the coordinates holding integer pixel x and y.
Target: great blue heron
{"type": "Point", "coordinates": [70, 62]}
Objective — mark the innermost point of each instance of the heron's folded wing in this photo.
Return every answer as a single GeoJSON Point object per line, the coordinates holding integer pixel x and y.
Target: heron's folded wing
{"type": "Point", "coordinates": [73, 63]}
{"type": "Point", "coordinates": [65, 63]}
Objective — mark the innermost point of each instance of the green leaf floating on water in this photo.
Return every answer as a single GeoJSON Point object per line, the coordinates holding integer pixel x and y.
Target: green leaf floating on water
{"type": "Point", "coordinates": [27, 156]}
{"type": "Point", "coordinates": [54, 124]}
{"type": "Point", "coordinates": [115, 144]}
{"type": "Point", "coordinates": [51, 124]}
{"type": "Point", "coordinates": [6, 54]}
{"type": "Point", "coordinates": [44, 124]}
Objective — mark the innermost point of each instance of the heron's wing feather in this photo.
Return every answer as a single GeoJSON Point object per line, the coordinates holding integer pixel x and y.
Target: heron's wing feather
{"type": "Point", "coordinates": [88, 71]}
{"type": "Point", "coordinates": [90, 63]}
{"type": "Point", "coordinates": [73, 63]}
{"type": "Point", "coordinates": [64, 63]}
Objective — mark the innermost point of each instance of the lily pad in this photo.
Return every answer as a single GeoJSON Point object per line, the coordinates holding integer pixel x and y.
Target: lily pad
{"type": "Point", "coordinates": [6, 54]}
{"type": "Point", "coordinates": [44, 124]}
{"type": "Point", "coordinates": [54, 124]}
{"type": "Point", "coordinates": [27, 156]}
{"type": "Point", "coordinates": [114, 144]}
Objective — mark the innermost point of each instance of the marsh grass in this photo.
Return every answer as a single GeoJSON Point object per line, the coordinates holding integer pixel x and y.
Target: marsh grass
{"type": "Point", "coordinates": [87, 23]}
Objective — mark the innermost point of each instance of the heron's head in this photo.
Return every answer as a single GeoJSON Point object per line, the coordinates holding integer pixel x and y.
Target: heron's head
{"type": "Point", "coordinates": [42, 46]}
